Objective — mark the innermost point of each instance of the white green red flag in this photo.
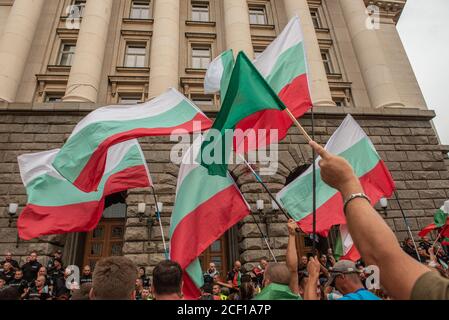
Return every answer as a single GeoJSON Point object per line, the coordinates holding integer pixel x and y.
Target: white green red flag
{"type": "Point", "coordinates": [344, 246]}
{"type": "Point", "coordinates": [205, 208]}
{"type": "Point", "coordinates": [218, 73]}
{"type": "Point", "coordinates": [441, 222]}
{"type": "Point", "coordinates": [284, 66]}
{"type": "Point", "coordinates": [83, 157]}
{"type": "Point", "coordinates": [350, 142]}
{"type": "Point", "coordinates": [56, 206]}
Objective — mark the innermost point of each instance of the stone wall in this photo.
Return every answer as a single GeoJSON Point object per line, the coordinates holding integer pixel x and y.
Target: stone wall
{"type": "Point", "coordinates": [405, 139]}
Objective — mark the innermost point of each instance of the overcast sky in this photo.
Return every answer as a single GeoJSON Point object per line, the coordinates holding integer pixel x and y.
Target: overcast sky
{"type": "Point", "coordinates": [424, 29]}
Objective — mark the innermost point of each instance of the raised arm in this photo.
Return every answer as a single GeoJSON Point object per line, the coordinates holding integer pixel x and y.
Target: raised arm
{"type": "Point", "coordinates": [292, 256]}
{"type": "Point", "coordinates": [373, 238]}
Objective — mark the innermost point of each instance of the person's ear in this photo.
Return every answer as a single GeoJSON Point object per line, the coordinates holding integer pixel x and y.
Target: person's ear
{"type": "Point", "coordinates": [91, 294]}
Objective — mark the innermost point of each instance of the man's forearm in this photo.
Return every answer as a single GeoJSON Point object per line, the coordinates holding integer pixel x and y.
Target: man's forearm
{"type": "Point", "coordinates": [378, 245]}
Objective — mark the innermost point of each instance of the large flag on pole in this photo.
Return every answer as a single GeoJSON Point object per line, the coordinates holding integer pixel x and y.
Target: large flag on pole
{"type": "Point", "coordinates": [351, 143]}
{"type": "Point", "coordinates": [56, 206]}
{"type": "Point", "coordinates": [248, 95]}
{"type": "Point", "coordinates": [205, 208]}
{"type": "Point", "coordinates": [344, 246]}
{"type": "Point", "coordinates": [83, 157]}
{"type": "Point", "coordinates": [284, 66]}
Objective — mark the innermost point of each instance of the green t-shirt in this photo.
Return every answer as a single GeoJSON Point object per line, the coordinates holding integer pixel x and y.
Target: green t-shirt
{"type": "Point", "coordinates": [431, 286]}
{"type": "Point", "coordinates": [277, 291]}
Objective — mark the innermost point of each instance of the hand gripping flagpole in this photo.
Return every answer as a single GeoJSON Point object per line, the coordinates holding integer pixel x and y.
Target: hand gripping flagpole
{"type": "Point", "coordinates": [158, 216]}
{"type": "Point", "coordinates": [408, 226]}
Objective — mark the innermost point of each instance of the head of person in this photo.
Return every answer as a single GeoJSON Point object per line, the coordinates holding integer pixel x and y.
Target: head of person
{"type": "Point", "coordinates": [345, 277]}
{"type": "Point", "coordinates": [145, 293]}
{"type": "Point", "coordinates": [330, 251]}
{"type": "Point", "coordinates": [212, 267]}
{"type": "Point", "coordinates": [142, 272]}
{"type": "Point", "coordinates": [323, 259]}
{"type": "Point", "coordinates": [425, 239]}
{"type": "Point", "coordinates": [86, 271]}
{"type": "Point", "coordinates": [18, 275]}
{"type": "Point", "coordinates": [408, 242]}
{"type": "Point", "coordinates": [263, 264]}
{"type": "Point", "coordinates": [8, 256]}
{"type": "Point", "coordinates": [421, 251]}
{"type": "Point", "coordinates": [207, 289]}
{"type": "Point", "coordinates": [2, 283]}
{"type": "Point", "coordinates": [9, 294]}
{"type": "Point", "coordinates": [139, 284]}
{"type": "Point", "coordinates": [304, 261]}
{"type": "Point", "coordinates": [57, 254]}
{"type": "Point", "coordinates": [33, 256]}
{"type": "Point", "coordinates": [40, 281]}
{"type": "Point", "coordinates": [216, 289]}
{"type": "Point", "coordinates": [237, 265]}
{"type": "Point", "coordinates": [247, 291]}
{"type": "Point", "coordinates": [216, 278]}
{"type": "Point", "coordinates": [167, 281]}
{"type": "Point", "coordinates": [42, 271]}
{"type": "Point", "coordinates": [58, 264]}
{"type": "Point", "coordinates": [82, 293]}
{"type": "Point", "coordinates": [276, 273]}
{"type": "Point", "coordinates": [7, 266]}
{"type": "Point", "coordinates": [114, 279]}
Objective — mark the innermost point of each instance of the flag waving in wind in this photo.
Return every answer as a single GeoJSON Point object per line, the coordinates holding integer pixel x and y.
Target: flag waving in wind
{"type": "Point", "coordinates": [284, 66]}
{"type": "Point", "coordinates": [344, 247]}
{"type": "Point", "coordinates": [205, 208]}
{"type": "Point", "coordinates": [55, 206]}
{"type": "Point", "coordinates": [351, 143]}
{"type": "Point", "coordinates": [83, 157]}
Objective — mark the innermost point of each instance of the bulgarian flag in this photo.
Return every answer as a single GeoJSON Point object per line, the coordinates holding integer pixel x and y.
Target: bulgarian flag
{"type": "Point", "coordinates": [247, 95]}
{"type": "Point", "coordinates": [344, 247]}
{"type": "Point", "coordinates": [284, 66]}
{"type": "Point", "coordinates": [56, 206]}
{"type": "Point", "coordinates": [205, 208]}
{"type": "Point", "coordinates": [83, 157]}
{"type": "Point", "coordinates": [351, 143]}
{"type": "Point", "coordinates": [218, 74]}
{"type": "Point", "coordinates": [440, 218]}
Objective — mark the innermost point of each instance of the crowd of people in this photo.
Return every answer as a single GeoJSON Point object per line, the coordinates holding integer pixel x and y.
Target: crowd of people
{"type": "Point", "coordinates": [413, 271]}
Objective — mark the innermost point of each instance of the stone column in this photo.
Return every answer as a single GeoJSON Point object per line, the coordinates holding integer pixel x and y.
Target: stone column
{"type": "Point", "coordinates": [319, 85]}
{"type": "Point", "coordinates": [372, 62]}
{"type": "Point", "coordinates": [164, 59]}
{"type": "Point", "coordinates": [237, 27]}
{"type": "Point", "coordinates": [85, 74]}
{"type": "Point", "coordinates": [15, 45]}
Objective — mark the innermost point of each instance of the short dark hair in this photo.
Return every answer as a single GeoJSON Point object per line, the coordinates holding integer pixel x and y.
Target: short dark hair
{"type": "Point", "coordinates": [10, 293]}
{"type": "Point", "coordinates": [167, 277]}
{"type": "Point", "coordinates": [114, 278]}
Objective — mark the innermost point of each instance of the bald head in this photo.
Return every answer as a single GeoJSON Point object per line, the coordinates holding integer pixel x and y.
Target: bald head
{"type": "Point", "coordinates": [277, 273]}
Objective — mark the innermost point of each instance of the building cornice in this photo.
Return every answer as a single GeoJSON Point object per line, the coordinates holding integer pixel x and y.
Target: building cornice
{"type": "Point", "coordinates": [391, 9]}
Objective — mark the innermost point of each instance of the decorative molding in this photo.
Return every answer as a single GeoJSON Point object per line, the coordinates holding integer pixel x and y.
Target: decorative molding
{"type": "Point", "coordinates": [136, 33]}
{"type": "Point", "coordinates": [201, 23]}
{"type": "Point", "coordinates": [390, 9]}
{"type": "Point", "coordinates": [203, 35]}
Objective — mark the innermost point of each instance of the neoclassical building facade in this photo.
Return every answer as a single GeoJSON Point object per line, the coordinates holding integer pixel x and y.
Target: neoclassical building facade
{"type": "Point", "coordinates": [60, 59]}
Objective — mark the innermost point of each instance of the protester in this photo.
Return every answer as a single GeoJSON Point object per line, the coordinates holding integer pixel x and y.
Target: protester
{"type": "Point", "coordinates": [39, 291]}
{"type": "Point", "coordinates": [57, 255]}
{"type": "Point", "coordinates": [146, 294]}
{"type": "Point", "coordinates": [8, 258]}
{"type": "Point", "coordinates": [212, 271]}
{"type": "Point", "coordinates": [60, 289]}
{"type": "Point", "coordinates": [114, 279]}
{"type": "Point", "coordinates": [31, 268]}
{"type": "Point", "coordinates": [86, 276]}
{"type": "Point", "coordinates": [247, 290]}
{"type": "Point", "coordinates": [402, 276]}
{"type": "Point", "coordinates": [259, 271]}
{"type": "Point", "coordinates": [49, 281]}
{"type": "Point", "coordinates": [167, 281]}
{"type": "Point", "coordinates": [276, 284]}
{"type": "Point", "coordinates": [233, 277]}
{"type": "Point", "coordinates": [207, 292]}
{"type": "Point", "coordinates": [139, 289]}
{"type": "Point", "coordinates": [345, 277]}
{"type": "Point", "coordinates": [19, 283]}
{"type": "Point", "coordinates": [57, 271]}
{"type": "Point", "coordinates": [8, 272]}
{"type": "Point", "coordinates": [2, 283]}
{"type": "Point", "coordinates": [143, 275]}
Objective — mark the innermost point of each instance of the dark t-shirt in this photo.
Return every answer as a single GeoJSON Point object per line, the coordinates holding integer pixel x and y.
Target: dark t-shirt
{"type": "Point", "coordinates": [8, 276]}
{"type": "Point", "coordinates": [60, 289]}
{"type": "Point", "coordinates": [85, 279]}
{"type": "Point", "coordinates": [19, 284]}
{"type": "Point", "coordinates": [35, 294]}
{"type": "Point", "coordinates": [30, 270]}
